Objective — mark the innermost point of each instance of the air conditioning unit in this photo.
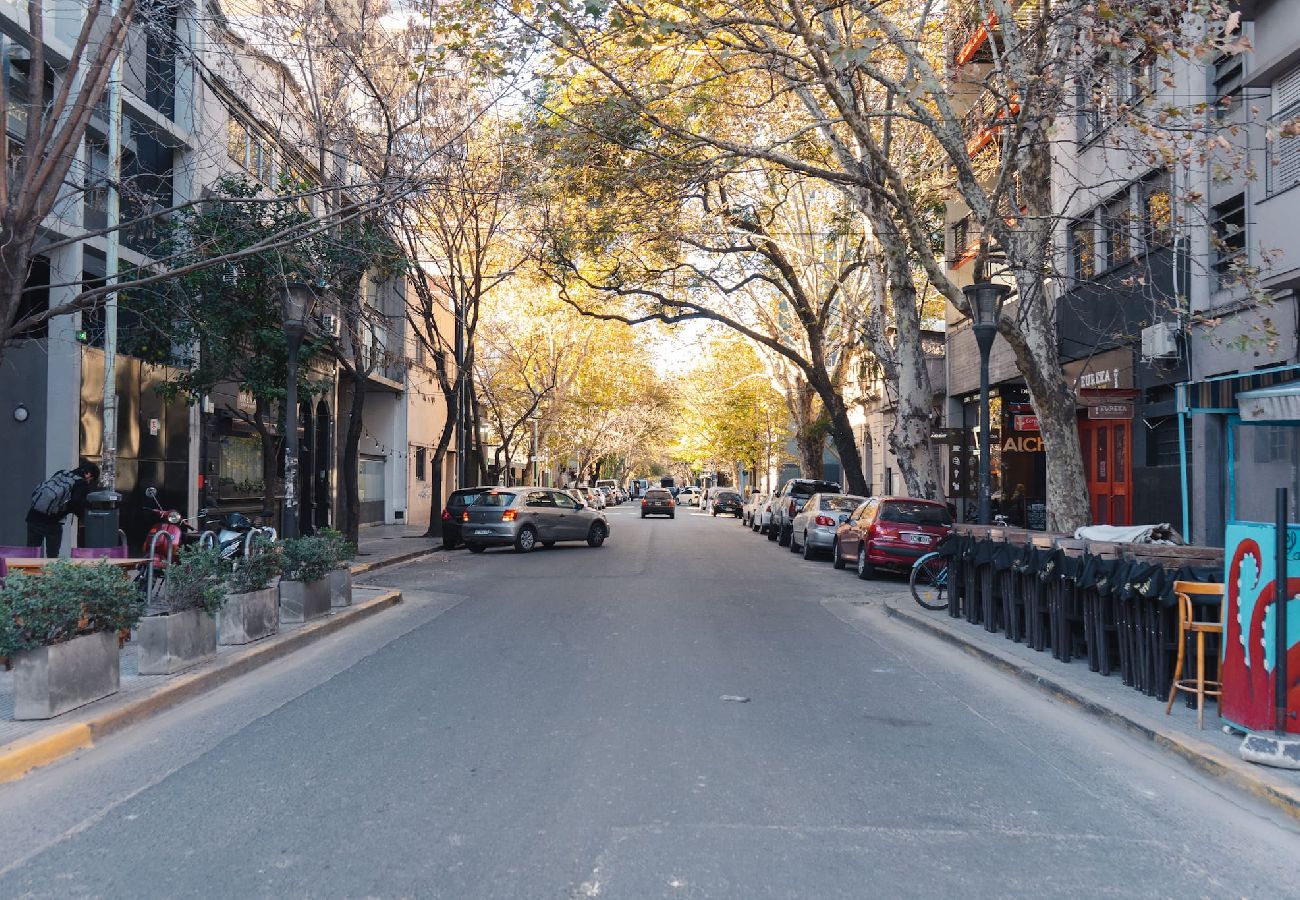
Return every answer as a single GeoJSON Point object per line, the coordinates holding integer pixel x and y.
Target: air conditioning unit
{"type": "Point", "coordinates": [329, 323]}
{"type": "Point", "coordinates": [1160, 341]}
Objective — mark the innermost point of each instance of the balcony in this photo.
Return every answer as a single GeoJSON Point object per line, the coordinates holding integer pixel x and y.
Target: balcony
{"type": "Point", "coordinates": [985, 119]}
{"type": "Point", "coordinates": [969, 23]}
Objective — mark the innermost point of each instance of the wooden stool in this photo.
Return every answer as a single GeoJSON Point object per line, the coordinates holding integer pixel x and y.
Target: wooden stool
{"type": "Point", "coordinates": [1187, 622]}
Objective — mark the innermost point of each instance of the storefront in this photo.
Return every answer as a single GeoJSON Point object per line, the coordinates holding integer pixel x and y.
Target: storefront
{"type": "Point", "coordinates": [1107, 399]}
{"type": "Point", "coordinates": [1018, 482]}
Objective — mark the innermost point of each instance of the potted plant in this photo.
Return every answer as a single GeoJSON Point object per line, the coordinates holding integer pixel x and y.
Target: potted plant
{"type": "Point", "coordinates": [304, 586]}
{"type": "Point", "coordinates": [182, 631]}
{"type": "Point", "coordinates": [251, 610]}
{"type": "Point", "coordinates": [342, 552]}
{"type": "Point", "coordinates": [60, 629]}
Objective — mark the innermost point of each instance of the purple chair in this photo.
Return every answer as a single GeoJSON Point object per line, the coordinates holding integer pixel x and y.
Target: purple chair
{"type": "Point", "coordinates": [22, 552]}
{"type": "Point", "coordinates": [118, 552]}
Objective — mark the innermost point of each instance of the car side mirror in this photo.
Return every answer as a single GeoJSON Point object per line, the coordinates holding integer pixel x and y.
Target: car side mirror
{"type": "Point", "coordinates": [844, 517]}
{"type": "Point", "coordinates": [581, 505]}
{"type": "Point", "coordinates": [151, 492]}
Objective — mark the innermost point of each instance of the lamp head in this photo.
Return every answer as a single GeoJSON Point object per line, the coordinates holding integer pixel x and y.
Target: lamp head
{"type": "Point", "coordinates": [985, 299]}
{"type": "Point", "coordinates": [298, 299]}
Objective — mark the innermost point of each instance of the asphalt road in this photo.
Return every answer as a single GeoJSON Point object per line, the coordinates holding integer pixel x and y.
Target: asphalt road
{"type": "Point", "coordinates": [562, 725]}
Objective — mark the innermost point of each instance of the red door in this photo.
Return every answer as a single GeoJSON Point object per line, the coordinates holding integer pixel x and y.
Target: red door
{"type": "Point", "coordinates": [1106, 446]}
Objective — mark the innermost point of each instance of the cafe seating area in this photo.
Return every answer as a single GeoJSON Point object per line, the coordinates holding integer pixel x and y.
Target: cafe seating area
{"type": "Point", "coordinates": [1111, 604]}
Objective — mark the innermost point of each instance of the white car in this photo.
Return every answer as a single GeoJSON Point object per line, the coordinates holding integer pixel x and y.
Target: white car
{"type": "Point", "coordinates": [753, 503]}
{"type": "Point", "coordinates": [688, 496]}
{"type": "Point", "coordinates": [592, 497]}
{"type": "Point", "coordinates": [761, 520]}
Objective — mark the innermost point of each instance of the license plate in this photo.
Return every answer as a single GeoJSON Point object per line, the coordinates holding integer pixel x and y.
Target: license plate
{"type": "Point", "coordinates": [483, 531]}
{"type": "Point", "coordinates": [918, 538]}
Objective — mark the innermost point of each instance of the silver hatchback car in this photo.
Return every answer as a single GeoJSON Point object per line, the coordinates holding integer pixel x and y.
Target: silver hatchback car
{"type": "Point", "coordinates": [813, 529]}
{"type": "Point", "coordinates": [524, 517]}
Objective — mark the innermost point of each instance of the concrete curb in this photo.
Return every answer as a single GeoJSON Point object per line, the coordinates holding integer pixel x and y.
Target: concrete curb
{"type": "Point", "coordinates": [22, 756]}
{"type": "Point", "coordinates": [366, 567]}
{"type": "Point", "coordinates": [1201, 755]}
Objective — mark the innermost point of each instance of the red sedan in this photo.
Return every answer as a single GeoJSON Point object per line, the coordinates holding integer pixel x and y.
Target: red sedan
{"type": "Point", "coordinates": [890, 532]}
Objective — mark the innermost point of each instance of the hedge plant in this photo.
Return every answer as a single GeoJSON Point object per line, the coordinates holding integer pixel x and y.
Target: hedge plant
{"type": "Point", "coordinates": [342, 551]}
{"type": "Point", "coordinates": [256, 572]}
{"type": "Point", "coordinates": [65, 601]}
{"type": "Point", "coordinates": [196, 580]}
{"type": "Point", "coordinates": [306, 558]}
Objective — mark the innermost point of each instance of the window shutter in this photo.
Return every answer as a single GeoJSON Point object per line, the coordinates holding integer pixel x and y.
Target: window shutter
{"type": "Point", "coordinates": [1286, 91]}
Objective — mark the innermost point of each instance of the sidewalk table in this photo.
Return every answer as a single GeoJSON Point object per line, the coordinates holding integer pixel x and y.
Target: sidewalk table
{"type": "Point", "coordinates": [29, 564]}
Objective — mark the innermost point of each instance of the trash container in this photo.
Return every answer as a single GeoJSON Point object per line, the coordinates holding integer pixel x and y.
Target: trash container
{"type": "Point", "coordinates": [102, 511]}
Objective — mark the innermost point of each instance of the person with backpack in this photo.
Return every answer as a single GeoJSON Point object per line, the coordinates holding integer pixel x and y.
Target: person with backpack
{"type": "Point", "coordinates": [62, 493]}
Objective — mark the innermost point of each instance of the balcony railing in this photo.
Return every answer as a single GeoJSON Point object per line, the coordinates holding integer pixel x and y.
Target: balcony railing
{"type": "Point", "coordinates": [968, 25]}
{"type": "Point", "coordinates": [982, 122]}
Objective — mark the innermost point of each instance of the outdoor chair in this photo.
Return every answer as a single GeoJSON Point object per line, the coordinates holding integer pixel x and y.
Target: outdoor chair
{"type": "Point", "coordinates": [21, 552]}
{"type": "Point", "coordinates": [118, 552]}
{"type": "Point", "coordinates": [1188, 625]}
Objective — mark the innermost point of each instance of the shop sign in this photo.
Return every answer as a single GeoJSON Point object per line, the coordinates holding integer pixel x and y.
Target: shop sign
{"type": "Point", "coordinates": [1112, 370]}
{"type": "Point", "coordinates": [1024, 423]}
{"type": "Point", "coordinates": [1113, 409]}
{"type": "Point", "coordinates": [1027, 444]}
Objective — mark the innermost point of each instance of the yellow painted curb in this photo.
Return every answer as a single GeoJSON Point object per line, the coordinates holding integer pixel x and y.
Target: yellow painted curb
{"type": "Point", "coordinates": [20, 757]}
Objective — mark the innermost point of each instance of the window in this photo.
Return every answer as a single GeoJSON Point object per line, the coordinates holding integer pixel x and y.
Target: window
{"type": "Point", "coordinates": [249, 151]}
{"type": "Point", "coordinates": [1157, 211]}
{"type": "Point", "coordinates": [1283, 169]}
{"type": "Point", "coordinates": [419, 463]}
{"type": "Point", "coordinates": [1162, 443]}
{"type": "Point", "coordinates": [370, 481]}
{"type": "Point", "coordinates": [1229, 237]}
{"type": "Point", "coordinates": [540, 499]}
{"type": "Point", "coordinates": [1227, 85]}
{"type": "Point", "coordinates": [960, 239]}
{"type": "Point", "coordinates": [1115, 220]}
{"type": "Point", "coordinates": [239, 467]}
{"type": "Point", "coordinates": [563, 501]}
{"type": "Point", "coordinates": [1083, 249]}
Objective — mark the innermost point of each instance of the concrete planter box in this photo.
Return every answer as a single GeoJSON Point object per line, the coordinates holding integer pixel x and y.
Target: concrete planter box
{"type": "Point", "coordinates": [340, 587]}
{"type": "Point", "coordinates": [175, 642]}
{"type": "Point", "coordinates": [302, 601]}
{"type": "Point", "coordinates": [49, 681]}
{"type": "Point", "coordinates": [245, 618]}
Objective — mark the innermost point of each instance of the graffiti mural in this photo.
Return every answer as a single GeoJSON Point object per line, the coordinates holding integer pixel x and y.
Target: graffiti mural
{"type": "Point", "coordinates": [1249, 624]}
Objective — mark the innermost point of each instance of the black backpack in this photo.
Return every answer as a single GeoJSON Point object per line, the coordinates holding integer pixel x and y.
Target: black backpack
{"type": "Point", "coordinates": [54, 494]}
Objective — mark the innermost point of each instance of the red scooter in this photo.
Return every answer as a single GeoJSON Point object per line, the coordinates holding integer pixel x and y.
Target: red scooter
{"type": "Point", "coordinates": [164, 540]}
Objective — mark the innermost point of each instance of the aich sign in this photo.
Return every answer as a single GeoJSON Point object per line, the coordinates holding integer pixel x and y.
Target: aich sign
{"type": "Point", "coordinates": [1029, 443]}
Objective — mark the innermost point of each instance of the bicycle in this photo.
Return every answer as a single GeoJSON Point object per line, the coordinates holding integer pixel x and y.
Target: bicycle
{"type": "Point", "coordinates": [929, 581]}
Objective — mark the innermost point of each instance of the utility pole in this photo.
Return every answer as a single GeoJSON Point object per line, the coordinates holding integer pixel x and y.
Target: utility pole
{"type": "Point", "coordinates": [108, 446]}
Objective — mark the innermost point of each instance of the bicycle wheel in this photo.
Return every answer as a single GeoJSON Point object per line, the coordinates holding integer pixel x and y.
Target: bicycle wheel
{"type": "Point", "coordinates": [929, 581]}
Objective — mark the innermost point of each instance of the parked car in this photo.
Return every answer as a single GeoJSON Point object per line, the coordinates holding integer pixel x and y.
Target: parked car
{"type": "Point", "coordinates": [689, 496]}
{"type": "Point", "coordinates": [525, 517]}
{"type": "Point", "coordinates": [658, 502]}
{"type": "Point", "coordinates": [789, 500]}
{"type": "Point", "coordinates": [595, 498]}
{"type": "Point", "coordinates": [761, 517]}
{"type": "Point", "coordinates": [890, 532]}
{"type": "Point", "coordinates": [727, 503]}
{"type": "Point", "coordinates": [611, 499]}
{"type": "Point", "coordinates": [452, 513]}
{"type": "Point", "coordinates": [752, 501]}
{"type": "Point", "coordinates": [814, 529]}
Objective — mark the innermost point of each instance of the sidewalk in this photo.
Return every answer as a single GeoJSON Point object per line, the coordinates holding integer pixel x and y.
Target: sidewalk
{"type": "Point", "coordinates": [1212, 751]}
{"type": "Point", "coordinates": [30, 744]}
{"type": "Point", "coordinates": [386, 545]}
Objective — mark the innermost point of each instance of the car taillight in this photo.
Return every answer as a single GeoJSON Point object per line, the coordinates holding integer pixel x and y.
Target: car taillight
{"type": "Point", "coordinates": [464, 517]}
{"type": "Point", "coordinates": [825, 521]}
{"type": "Point", "coordinates": [644, 503]}
{"type": "Point", "coordinates": [792, 507]}
{"type": "Point", "coordinates": [509, 515]}
{"type": "Point", "coordinates": [446, 515]}
{"type": "Point", "coordinates": [885, 531]}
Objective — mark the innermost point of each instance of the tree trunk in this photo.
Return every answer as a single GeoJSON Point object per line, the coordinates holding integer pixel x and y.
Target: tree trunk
{"type": "Point", "coordinates": [350, 458]}
{"type": "Point", "coordinates": [846, 446]}
{"type": "Point", "coordinates": [914, 414]}
{"type": "Point", "coordinates": [437, 464]}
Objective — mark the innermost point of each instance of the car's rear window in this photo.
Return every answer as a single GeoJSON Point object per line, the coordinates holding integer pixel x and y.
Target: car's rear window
{"type": "Point", "coordinates": [842, 502]}
{"type": "Point", "coordinates": [808, 488]}
{"type": "Point", "coordinates": [914, 513]}
{"type": "Point", "coordinates": [496, 498]}
{"type": "Point", "coordinates": [657, 495]}
{"type": "Point", "coordinates": [728, 495]}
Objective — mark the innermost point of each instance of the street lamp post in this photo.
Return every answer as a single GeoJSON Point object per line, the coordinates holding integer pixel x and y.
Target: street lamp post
{"type": "Point", "coordinates": [536, 452]}
{"type": "Point", "coordinates": [985, 299]}
{"type": "Point", "coordinates": [298, 299]}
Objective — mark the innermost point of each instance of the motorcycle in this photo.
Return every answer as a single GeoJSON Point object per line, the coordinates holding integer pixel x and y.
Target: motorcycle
{"type": "Point", "coordinates": [164, 541]}
{"type": "Point", "coordinates": [233, 534]}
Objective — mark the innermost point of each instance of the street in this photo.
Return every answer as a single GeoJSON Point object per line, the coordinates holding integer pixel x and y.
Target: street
{"type": "Point", "coordinates": [688, 712]}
